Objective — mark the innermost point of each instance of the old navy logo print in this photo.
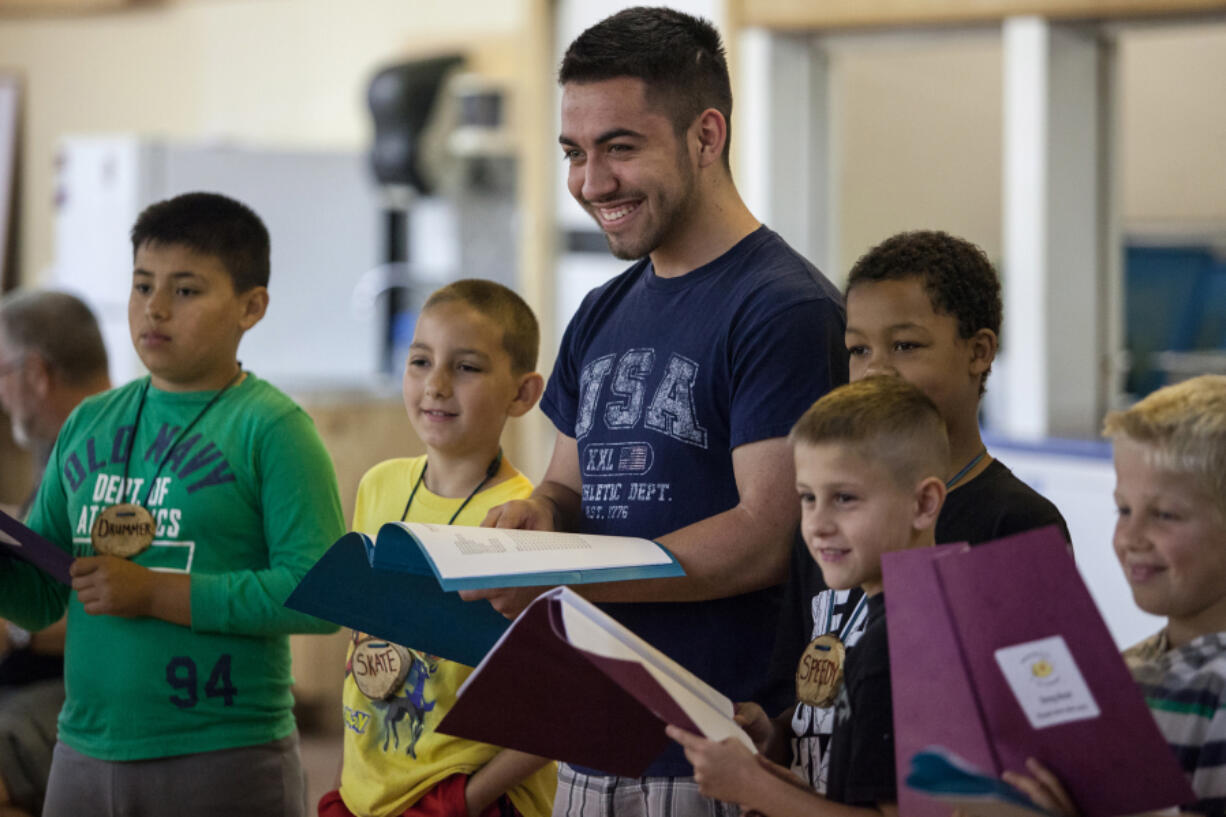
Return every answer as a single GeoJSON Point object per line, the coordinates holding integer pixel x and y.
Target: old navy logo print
{"type": "Point", "coordinates": [194, 464]}
{"type": "Point", "coordinates": [205, 466]}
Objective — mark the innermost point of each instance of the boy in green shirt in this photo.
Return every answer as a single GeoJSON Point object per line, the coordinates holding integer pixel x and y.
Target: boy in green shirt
{"type": "Point", "coordinates": [193, 500]}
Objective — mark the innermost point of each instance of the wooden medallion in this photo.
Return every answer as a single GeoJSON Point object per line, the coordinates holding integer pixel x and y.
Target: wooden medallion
{"type": "Point", "coordinates": [819, 675]}
{"type": "Point", "coordinates": [379, 668]}
{"type": "Point", "coordinates": [123, 530]}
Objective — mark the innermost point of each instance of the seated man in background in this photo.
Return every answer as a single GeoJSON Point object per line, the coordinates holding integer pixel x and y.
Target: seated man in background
{"type": "Point", "coordinates": [51, 358]}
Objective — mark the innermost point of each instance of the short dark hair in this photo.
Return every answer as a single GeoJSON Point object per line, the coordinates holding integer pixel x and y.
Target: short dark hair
{"type": "Point", "coordinates": [679, 57]}
{"type": "Point", "coordinates": [211, 224]}
{"type": "Point", "coordinates": [956, 274]}
{"type": "Point", "coordinates": [521, 335]}
{"type": "Point", "coordinates": [888, 419]}
{"type": "Point", "coordinates": [59, 328]}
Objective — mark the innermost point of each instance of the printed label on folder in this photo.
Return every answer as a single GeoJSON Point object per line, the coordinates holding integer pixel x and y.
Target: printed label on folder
{"type": "Point", "coordinates": [1045, 679]}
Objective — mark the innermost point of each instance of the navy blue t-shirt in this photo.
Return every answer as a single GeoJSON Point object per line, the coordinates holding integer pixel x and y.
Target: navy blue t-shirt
{"type": "Point", "coordinates": [658, 380]}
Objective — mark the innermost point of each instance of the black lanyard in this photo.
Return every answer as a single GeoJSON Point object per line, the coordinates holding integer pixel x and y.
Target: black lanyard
{"type": "Point", "coordinates": [140, 408]}
{"type": "Point", "coordinates": [495, 464]}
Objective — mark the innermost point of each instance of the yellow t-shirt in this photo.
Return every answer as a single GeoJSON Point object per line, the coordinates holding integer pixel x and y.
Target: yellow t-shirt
{"type": "Point", "coordinates": [393, 756]}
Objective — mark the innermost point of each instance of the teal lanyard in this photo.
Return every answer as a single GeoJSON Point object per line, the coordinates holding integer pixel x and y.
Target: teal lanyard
{"type": "Point", "coordinates": [966, 469]}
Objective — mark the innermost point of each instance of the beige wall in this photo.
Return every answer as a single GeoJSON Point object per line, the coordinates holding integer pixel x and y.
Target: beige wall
{"type": "Point", "coordinates": [920, 135]}
{"type": "Point", "coordinates": [273, 72]}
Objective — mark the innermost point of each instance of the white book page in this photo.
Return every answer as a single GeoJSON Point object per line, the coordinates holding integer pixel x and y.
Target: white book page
{"type": "Point", "coordinates": [592, 630]}
{"type": "Point", "coordinates": [461, 552]}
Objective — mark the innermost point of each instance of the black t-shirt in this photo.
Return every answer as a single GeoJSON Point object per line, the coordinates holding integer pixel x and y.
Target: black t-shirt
{"type": "Point", "coordinates": [994, 504]}
{"type": "Point", "coordinates": [862, 746]}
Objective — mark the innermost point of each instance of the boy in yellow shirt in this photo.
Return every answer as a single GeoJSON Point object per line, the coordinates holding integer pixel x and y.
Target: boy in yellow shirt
{"type": "Point", "coordinates": [471, 366]}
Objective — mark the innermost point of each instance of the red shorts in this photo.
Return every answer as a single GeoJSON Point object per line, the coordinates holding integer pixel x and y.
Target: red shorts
{"type": "Point", "coordinates": [446, 799]}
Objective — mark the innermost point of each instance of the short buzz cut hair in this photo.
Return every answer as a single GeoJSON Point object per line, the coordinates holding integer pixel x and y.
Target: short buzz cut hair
{"type": "Point", "coordinates": [59, 328]}
{"type": "Point", "coordinates": [521, 335]}
{"type": "Point", "coordinates": [887, 420]}
{"type": "Point", "coordinates": [1183, 429]}
{"type": "Point", "coordinates": [679, 57]}
{"type": "Point", "coordinates": [210, 224]}
{"type": "Point", "coordinates": [956, 274]}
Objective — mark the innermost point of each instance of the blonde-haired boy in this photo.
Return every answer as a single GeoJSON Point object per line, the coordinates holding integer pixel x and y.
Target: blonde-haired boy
{"type": "Point", "coordinates": [870, 459]}
{"type": "Point", "coordinates": [1170, 538]}
{"type": "Point", "coordinates": [471, 367]}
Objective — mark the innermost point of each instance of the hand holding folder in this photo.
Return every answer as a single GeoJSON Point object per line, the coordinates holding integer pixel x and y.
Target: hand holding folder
{"type": "Point", "coordinates": [997, 654]}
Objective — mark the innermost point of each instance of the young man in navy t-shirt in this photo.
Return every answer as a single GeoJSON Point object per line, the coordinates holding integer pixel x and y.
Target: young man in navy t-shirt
{"type": "Point", "coordinates": [678, 380]}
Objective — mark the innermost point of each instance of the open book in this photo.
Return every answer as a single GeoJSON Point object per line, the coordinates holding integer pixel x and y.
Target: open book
{"type": "Point", "coordinates": [400, 586]}
{"type": "Point", "coordinates": [569, 682]}
{"type": "Point", "coordinates": [466, 558]}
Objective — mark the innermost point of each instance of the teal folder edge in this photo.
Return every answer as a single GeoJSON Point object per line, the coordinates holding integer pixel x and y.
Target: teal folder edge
{"type": "Point", "coordinates": [937, 772]}
{"type": "Point", "coordinates": [398, 550]}
{"type": "Point", "coordinates": [406, 608]}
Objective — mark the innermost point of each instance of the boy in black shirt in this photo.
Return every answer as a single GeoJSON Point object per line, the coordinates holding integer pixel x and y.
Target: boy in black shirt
{"type": "Point", "coordinates": [870, 472]}
{"type": "Point", "coordinates": [924, 306]}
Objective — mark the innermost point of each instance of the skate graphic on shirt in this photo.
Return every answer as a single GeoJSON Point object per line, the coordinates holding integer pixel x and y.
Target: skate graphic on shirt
{"type": "Point", "coordinates": [834, 611]}
{"type": "Point", "coordinates": [408, 707]}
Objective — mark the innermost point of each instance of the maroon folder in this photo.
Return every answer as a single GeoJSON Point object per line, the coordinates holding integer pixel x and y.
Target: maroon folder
{"type": "Point", "coordinates": [950, 609]}
{"type": "Point", "coordinates": [538, 693]}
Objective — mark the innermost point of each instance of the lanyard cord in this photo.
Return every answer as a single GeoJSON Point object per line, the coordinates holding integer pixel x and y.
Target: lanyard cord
{"type": "Point", "coordinates": [495, 464]}
{"type": "Point", "coordinates": [852, 619]}
{"type": "Point", "coordinates": [140, 409]}
{"type": "Point", "coordinates": [966, 469]}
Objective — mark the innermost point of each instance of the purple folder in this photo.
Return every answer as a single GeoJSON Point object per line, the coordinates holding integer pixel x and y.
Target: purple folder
{"type": "Point", "coordinates": [950, 609]}
{"type": "Point", "coordinates": [36, 550]}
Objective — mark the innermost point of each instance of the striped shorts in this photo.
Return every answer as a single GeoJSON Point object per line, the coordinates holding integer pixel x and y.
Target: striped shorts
{"type": "Point", "coordinates": [581, 795]}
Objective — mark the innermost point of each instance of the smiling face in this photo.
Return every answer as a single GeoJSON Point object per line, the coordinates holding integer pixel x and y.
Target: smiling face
{"type": "Point", "coordinates": [892, 328]}
{"type": "Point", "coordinates": [186, 319]}
{"type": "Point", "coordinates": [459, 388]}
{"type": "Point", "coordinates": [1170, 538]}
{"type": "Point", "coordinates": [627, 166]}
{"type": "Point", "coordinates": [852, 511]}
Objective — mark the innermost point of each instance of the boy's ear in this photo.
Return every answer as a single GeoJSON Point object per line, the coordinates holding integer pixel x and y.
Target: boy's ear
{"type": "Point", "coordinates": [254, 305]}
{"type": "Point", "coordinates": [531, 385]}
{"type": "Point", "coordinates": [929, 497]}
{"type": "Point", "coordinates": [983, 351]}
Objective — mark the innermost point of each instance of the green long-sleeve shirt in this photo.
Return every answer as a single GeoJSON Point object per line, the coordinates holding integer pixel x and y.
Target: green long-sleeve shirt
{"type": "Point", "coordinates": [245, 504]}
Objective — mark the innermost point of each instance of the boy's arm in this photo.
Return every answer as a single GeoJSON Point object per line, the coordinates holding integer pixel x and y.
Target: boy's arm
{"type": "Point", "coordinates": [728, 771]}
{"type": "Point", "coordinates": [301, 508]}
{"type": "Point", "coordinates": [502, 773]}
{"type": "Point", "coordinates": [737, 551]}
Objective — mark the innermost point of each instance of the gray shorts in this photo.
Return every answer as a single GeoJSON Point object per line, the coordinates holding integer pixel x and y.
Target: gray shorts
{"type": "Point", "coordinates": [253, 781]}
{"type": "Point", "coordinates": [27, 735]}
{"type": "Point", "coordinates": [581, 795]}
